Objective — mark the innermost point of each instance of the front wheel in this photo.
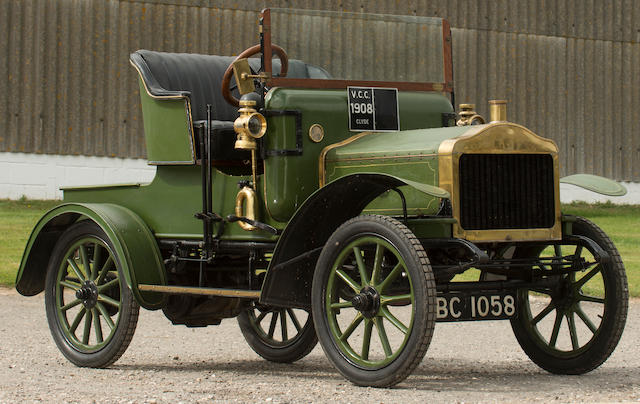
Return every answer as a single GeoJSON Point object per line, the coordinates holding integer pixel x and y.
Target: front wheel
{"type": "Point", "coordinates": [373, 301]}
{"type": "Point", "coordinates": [91, 312]}
{"type": "Point", "coordinates": [573, 327]}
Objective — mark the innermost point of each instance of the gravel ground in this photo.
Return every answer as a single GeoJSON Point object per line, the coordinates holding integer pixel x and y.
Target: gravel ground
{"type": "Point", "coordinates": [467, 362]}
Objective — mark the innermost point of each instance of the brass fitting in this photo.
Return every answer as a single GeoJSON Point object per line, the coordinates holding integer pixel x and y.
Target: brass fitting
{"type": "Point", "coordinates": [246, 207]}
{"type": "Point", "coordinates": [498, 110]}
{"type": "Point", "coordinates": [468, 115]}
{"type": "Point", "coordinates": [249, 126]}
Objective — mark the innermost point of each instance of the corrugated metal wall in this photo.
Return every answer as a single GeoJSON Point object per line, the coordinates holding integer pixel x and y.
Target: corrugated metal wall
{"type": "Point", "coordinates": [570, 70]}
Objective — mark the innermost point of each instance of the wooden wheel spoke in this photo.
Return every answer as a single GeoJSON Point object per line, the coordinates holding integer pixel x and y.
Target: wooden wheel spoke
{"type": "Point", "coordinates": [393, 320]}
{"type": "Point", "coordinates": [571, 323]}
{"type": "Point", "coordinates": [580, 283]}
{"type": "Point", "coordinates": [354, 324]}
{"type": "Point", "coordinates": [87, 327]}
{"type": "Point", "coordinates": [556, 328]}
{"type": "Point", "coordinates": [294, 319]}
{"type": "Point", "coordinates": [543, 313]}
{"type": "Point", "coordinates": [261, 317]}
{"type": "Point", "coordinates": [71, 304]}
{"type": "Point", "coordinates": [366, 339]}
{"type": "Point", "coordinates": [97, 257]}
{"type": "Point", "coordinates": [108, 300]}
{"type": "Point", "coordinates": [592, 299]}
{"type": "Point", "coordinates": [105, 315]}
{"type": "Point", "coordinates": [71, 285]}
{"type": "Point", "coordinates": [377, 264]}
{"type": "Point", "coordinates": [97, 327]}
{"type": "Point", "coordinates": [406, 299]}
{"type": "Point", "coordinates": [104, 270]}
{"type": "Point", "coordinates": [397, 270]}
{"type": "Point", "coordinates": [586, 320]}
{"type": "Point", "coordinates": [85, 260]}
{"type": "Point", "coordinates": [76, 320]}
{"type": "Point", "coordinates": [108, 285]}
{"type": "Point", "coordinates": [283, 326]}
{"type": "Point", "coordinates": [384, 340]}
{"type": "Point", "coordinates": [364, 281]}
{"type": "Point", "coordinates": [272, 325]}
{"type": "Point", "coordinates": [76, 270]}
{"type": "Point", "coordinates": [347, 279]}
{"type": "Point", "coordinates": [341, 305]}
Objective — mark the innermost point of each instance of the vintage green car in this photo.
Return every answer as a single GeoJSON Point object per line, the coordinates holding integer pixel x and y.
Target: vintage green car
{"type": "Point", "coordinates": [344, 201]}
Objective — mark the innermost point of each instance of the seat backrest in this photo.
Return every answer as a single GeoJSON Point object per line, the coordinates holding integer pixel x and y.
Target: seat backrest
{"type": "Point", "coordinates": [201, 77]}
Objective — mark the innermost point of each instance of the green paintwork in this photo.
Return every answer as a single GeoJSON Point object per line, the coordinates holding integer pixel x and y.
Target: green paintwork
{"type": "Point", "coordinates": [369, 276]}
{"type": "Point", "coordinates": [167, 129]}
{"type": "Point", "coordinates": [70, 319]}
{"type": "Point", "coordinates": [291, 180]}
{"type": "Point", "coordinates": [596, 184]}
{"type": "Point", "coordinates": [410, 154]}
{"type": "Point", "coordinates": [432, 227]}
{"type": "Point", "coordinates": [133, 242]}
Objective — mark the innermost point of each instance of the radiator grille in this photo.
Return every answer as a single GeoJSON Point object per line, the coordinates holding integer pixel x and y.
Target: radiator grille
{"type": "Point", "coordinates": [506, 191]}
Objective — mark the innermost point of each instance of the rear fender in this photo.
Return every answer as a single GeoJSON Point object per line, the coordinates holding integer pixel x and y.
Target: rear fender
{"type": "Point", "coordinates": [288, 279]}
{"type": "Point", "coordinates": [133, 243]}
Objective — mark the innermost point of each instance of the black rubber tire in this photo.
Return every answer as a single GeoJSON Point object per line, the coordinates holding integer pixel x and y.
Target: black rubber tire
{"type": "Point", "coordinates": [411, 352]}
{"type": "Point", "coordinates": [283, 351]}
{"type": "Point", "coordinates": [604, 340]}
{"type": "Point", "coordinates": [125, 322]}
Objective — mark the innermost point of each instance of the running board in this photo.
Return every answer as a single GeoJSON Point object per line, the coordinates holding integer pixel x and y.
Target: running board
{"type": "Point", "coordinates": [192, 290]}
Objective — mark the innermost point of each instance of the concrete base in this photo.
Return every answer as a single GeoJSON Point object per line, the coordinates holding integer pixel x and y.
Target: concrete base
{"type": "Point", "coordinates": [39, 176]}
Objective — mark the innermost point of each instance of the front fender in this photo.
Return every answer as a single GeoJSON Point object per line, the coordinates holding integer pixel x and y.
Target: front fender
{"type": "Point", "coordinates": [290, 272]}
{"type": "Point", "coordinates": [133, 243]}
{"type": "Point", "coordinates": [595, 183]}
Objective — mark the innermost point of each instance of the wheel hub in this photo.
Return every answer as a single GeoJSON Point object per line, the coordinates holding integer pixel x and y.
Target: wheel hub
{"type": "Point", "coordinates": [367, 302]}
{"type": "Point", "coordinates": [88, 293]}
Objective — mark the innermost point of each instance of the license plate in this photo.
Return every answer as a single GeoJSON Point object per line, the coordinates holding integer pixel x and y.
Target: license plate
{"type": "Point", "coordinates": [473, 306]}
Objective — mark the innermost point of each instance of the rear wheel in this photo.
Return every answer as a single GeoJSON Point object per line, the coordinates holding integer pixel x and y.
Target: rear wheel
{"type": "Point", "coordinates": [90, 310]}
{"type": "Point", "coordinates": [278, 334]}
{"type": "Point", "coordinates": [373, 300]}
{"type": "Point", "coordinates": [573, 327]}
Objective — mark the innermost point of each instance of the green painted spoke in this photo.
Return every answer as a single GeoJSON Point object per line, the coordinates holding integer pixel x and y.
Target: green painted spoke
{"type": "Point", "coordinates": [384, 300]}
{"type": "Point", "coordinates": [393, 320]}
{"type": "Point", "coordinates": [592, 299]}
{"type": "Point", "coordinates": [108, 285]}
{"type": "Point", "coordinates": [261, 317]}
{"type": "Point", "coordinates": [76, 270]}
{"type": "Point", "coordinates": [104, 269]}
{"type": "Point", "coordinates": [294, 319]}
{"type": "Point", "coordinates": [390, 278]}
{"type": "Point", "coordinates": [557, 250]}
{"type": "Point", "coordinates": [556, 328]}
{"type": "Point", "coordinates": [76, 321]}
{"type": "Point", "coordinates": [73, 303]}
{"type": "Point", "coordinates": [272, 325]}
{"type": "Point", "coordinates": [96, 326]}
{"type": "Point", "coordinates": [70, 285]}
{"type": "Point", "coordinates": [366, 338]}
{"type": "Point", "coordinates": [97, 256]}
{"type": "Point", "coordinates": [85, 260]}
{"type": "Point", "coordinates": [87, 327]}
{"type": "Point", "coordinates": [341, 305]}
{"type": "Point", "coordinates": [352, 284]}
{"type": "Point", "coordinates": [108, 300]}
{"type": "Point", "coordinates": [587, 277]}
{"type": "Point", "coordinates": [356, 321]}
{"type": "Point", "coordinates": [377, 264]}
{"type": "Point", "coordinates": [543, 313]}
{"type": "Point", "coordinates": [571, 322]}
{"type": "Point", "coordinates": [105, 315]}
{"type": "Point", "coordinates": [578, 251]}
{"type": "Point", "coordinates": [383, 336]}
{"type": "Point", "coordinates": [283, 326]}
{"type": "Point", "coordinates": [361, 267]}
{"type": "Point", "coordinates": [586, 320]}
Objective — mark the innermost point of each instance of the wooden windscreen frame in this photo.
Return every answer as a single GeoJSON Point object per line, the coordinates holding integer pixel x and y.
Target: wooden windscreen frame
{"type": "Point", "coordinates": [447, 86]}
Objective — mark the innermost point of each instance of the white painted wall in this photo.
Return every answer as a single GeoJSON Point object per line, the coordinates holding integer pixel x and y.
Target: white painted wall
{"type": "Point", "coordinates": [39, 176]}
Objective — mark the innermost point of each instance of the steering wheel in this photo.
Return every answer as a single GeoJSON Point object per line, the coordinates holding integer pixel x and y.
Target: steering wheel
{"type": "Point", "coordinates": [226, 79]}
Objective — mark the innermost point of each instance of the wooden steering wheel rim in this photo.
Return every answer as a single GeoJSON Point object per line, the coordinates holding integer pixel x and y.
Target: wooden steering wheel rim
{"type": "Point", "coordinates": [226, 78]}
